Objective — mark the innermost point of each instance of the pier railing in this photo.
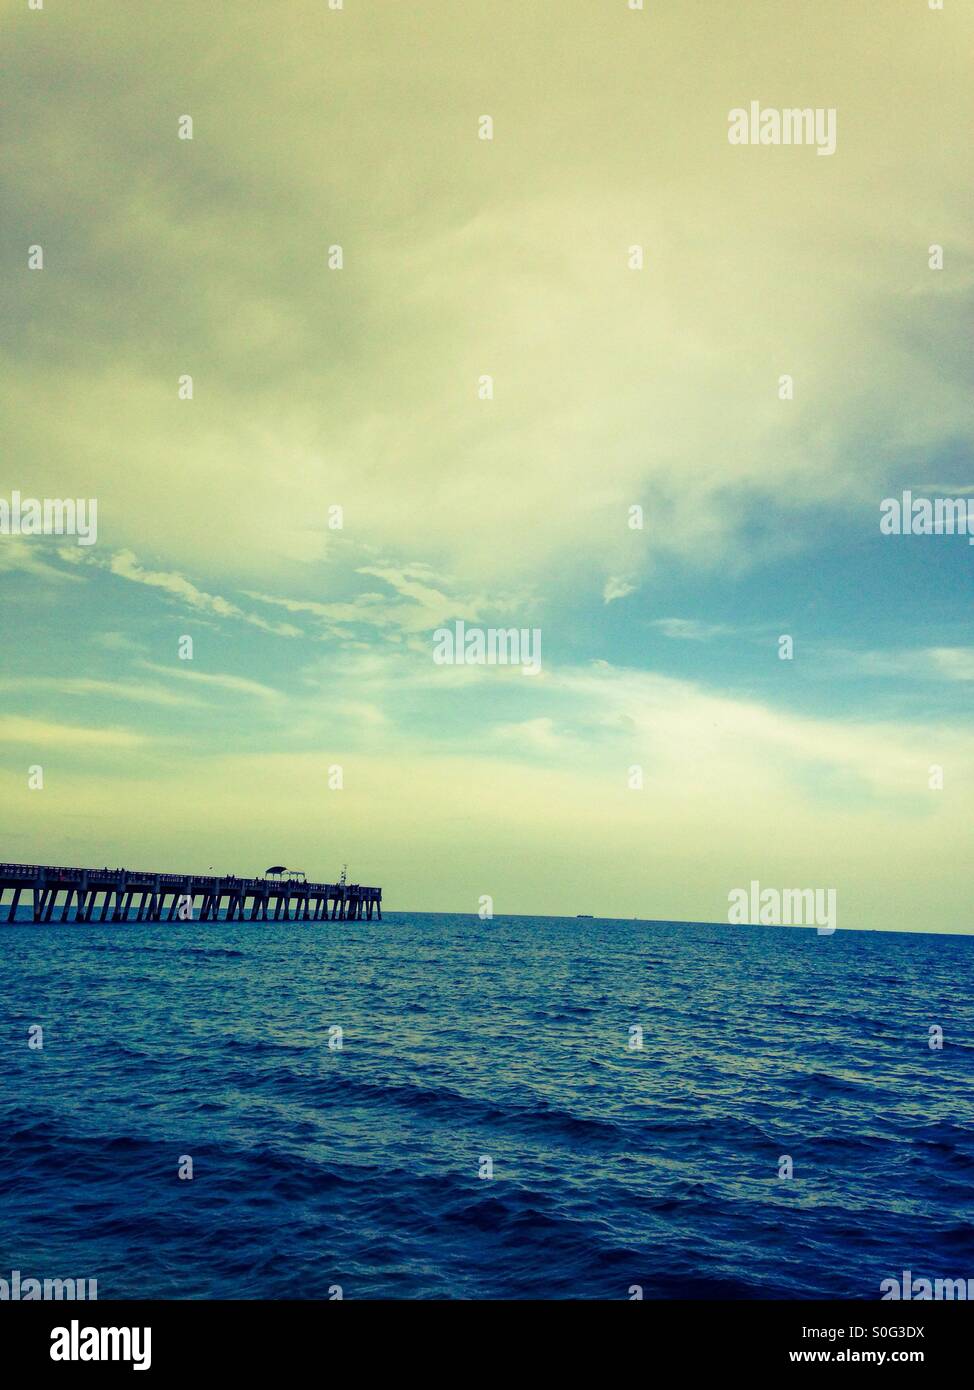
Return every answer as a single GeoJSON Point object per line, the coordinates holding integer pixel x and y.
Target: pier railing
{"type": "Point", "coordinates": [115, 894]}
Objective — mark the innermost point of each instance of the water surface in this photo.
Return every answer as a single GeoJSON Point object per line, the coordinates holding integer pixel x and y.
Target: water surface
{"type": "Point", "coordinates": [465, 1041]}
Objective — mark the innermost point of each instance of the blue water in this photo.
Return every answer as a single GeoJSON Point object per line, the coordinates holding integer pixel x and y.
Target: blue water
{"type": "Point", "coordinates": [359, 1167]}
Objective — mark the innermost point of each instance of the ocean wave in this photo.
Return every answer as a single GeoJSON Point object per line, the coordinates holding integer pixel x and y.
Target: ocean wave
{"type": "Point", "coordinates": [468, 1052]}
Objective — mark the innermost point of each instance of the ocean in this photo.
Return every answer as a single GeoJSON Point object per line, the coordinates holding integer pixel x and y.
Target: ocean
{"type": "Point", "coordinates": [487, 1127]}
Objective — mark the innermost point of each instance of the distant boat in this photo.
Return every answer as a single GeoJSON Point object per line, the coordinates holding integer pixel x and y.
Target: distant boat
{"type": "Point", "coordinates": [584, 916]}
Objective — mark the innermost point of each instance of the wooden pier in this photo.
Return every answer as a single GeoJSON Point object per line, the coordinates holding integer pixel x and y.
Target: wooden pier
{"type": "Point", "coordinates": [59, 894]}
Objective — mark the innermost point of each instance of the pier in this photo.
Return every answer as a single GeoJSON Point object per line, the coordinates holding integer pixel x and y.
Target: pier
{"type": "Point", "coordinates": [59, 894]}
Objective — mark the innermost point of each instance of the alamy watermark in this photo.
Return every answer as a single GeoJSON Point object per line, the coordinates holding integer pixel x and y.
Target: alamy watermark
{"type": "Point", "coordinates": [488, 646]}
{"type": "Point", "coordinates": [77, 1343]}
{"type": "Point", "coordinates": [924, 1289]}
{"type": "Point", "coordinates": [50, 516]}
{"type": "Point", "coordinates": [925, 516]}
{"type": "Point", "coordinates": [783, 907]}
{"type": "Point", "coordinates": [17, 1289]}
{"type": "Point", "coordinates": [770, 125]}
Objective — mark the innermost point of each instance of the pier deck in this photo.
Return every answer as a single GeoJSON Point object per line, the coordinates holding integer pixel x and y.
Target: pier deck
{"type": "Point", "coordinates": [59, 894]}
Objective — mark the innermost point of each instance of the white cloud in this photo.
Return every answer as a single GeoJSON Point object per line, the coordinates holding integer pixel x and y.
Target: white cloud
{"type": "Point", "coordinates": [534, 735]}
{"type": "Point", "coordinates": [240, 685]}
{"type": "Point", "coordinates": [26, 555]}
{"type": "Point", "coordinates": [125, 565]}
{"type": "Point", "coordinates": [85, 685]}
{"type": "Point", "coordinates": [617, 588]}
{"type": "Point", "coordinates": [915, 663]}
{"type": "Point", "coordinates": [39, 732]}
{"type": "Point", "coordinates": [689, 629]}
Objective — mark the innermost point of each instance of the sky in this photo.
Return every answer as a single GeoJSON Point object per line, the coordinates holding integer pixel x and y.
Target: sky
{"type": "Point", "coordinates": [361, 388]}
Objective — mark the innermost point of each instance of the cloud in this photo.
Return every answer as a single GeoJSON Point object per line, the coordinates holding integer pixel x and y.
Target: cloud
{"type": "Point", "coordinates": [534, 736]}
{"type": "Point", "coordinates": [19, 553]}
{"type": "Point", "coordinates": [732, 791]}
{"type": "Point", "coordinates": [124, 565]}
{"type": "Point", "coordinates": [359, 387]}
{"type": "Point", "coordinates": [420, 605]}
{"type": "Point", "coordinates": [698, 741]}
{"type": "Point", "coordinates": [110, 689]}
{"type": "Point", "coordinates": [118, 642]}
{"type": "Point", "coordinates": [920, 663]}
{"type": "Point", "coordinates": [39, 732]}
{"type": "Point", "coordinates": [240, 685]}
{"type": "Point", "coordinates": [337, 619]}
{"type": "Point", "coordinates": [955, 663]}
{"type": "Point", "coordinates": [690, 629]}
{"type": "Point", "coordinates": [617, 588]}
